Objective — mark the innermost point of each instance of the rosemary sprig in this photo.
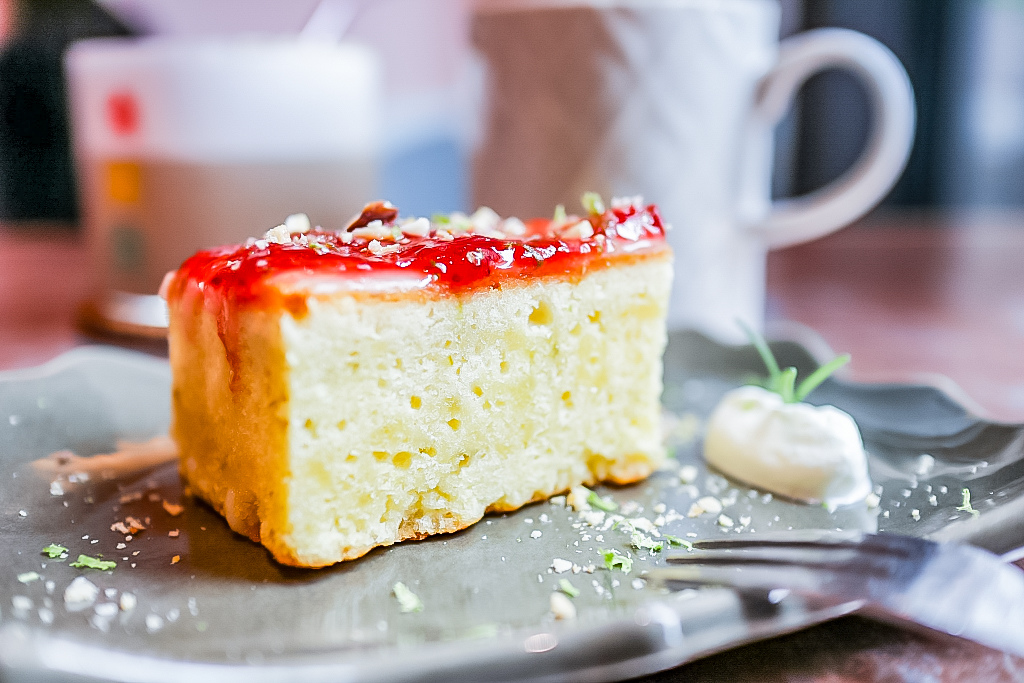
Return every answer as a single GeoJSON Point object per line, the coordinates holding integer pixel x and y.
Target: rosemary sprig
{"type": "Point", "coordinates": [766, 355]}
{"type": "Point", "coordinates": [820, 375]}
{"type": "Point", "coordinates": [786, 386]}
{"type": "Point", "coordinates": [783, 382]}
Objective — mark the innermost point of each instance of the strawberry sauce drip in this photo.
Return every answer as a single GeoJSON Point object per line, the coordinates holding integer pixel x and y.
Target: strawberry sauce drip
{"type": "Point", "coordinates": [468, 260]}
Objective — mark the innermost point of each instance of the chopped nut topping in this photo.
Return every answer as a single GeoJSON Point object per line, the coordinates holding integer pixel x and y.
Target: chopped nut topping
{"type": "Point", "coordinates": [172, 509]}
{"type": "Point", "coordinates": [80, 594]}
{"type": "Point", "coordinates": [459, 222]}
{"type": "Point", "coordinates": [643, 524]}
{"type": "Point", "coordinates": [374, 231]}
{"type": "Point", "coordinates": [560, 566]}
{"type": "Point", "coordinates": [298, 224]}
{"type": "Point", "coordinates": [419, 227]}
{"type": "Point", "coordinates": [129, 526]}
{"type": "Point", "coordinates": [278, 235]}
{"type": "Point", "coordinates": [485, 219]}
{"type": "Point", "coordinates": [578, 231]}
{"type": "Point", "coordinates": [384, 212]}
{"type": "Point", "coordinates": [377, 249]}
{"type": "Point", "coordinates": [710, 504]}
{"type": "Point", "coordinates": [577, 499]}
{"type": "Point", "coordinates": [562, 607]}
{"type": "Point", "coordinates": [593, 517]}
{"type": "Point", "coordinates": [513, 227]}
{"type": "Point", "coordinates": [127, 602]}
{"type": "Point", "coordinates": [626, 202]}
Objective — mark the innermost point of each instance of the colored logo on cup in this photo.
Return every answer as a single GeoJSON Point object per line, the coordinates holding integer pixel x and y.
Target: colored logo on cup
{"type": "Point", "coordinates": [123, 113]}
{"type": "Point", "coordinates": [124, 181]}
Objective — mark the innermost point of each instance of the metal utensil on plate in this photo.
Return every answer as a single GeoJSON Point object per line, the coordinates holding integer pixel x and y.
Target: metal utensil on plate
{"type": "Point", "coordinates": [949, 588]}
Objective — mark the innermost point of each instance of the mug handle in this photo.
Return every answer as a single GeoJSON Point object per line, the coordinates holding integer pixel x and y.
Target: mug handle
{"type": "Point", "coordinates": [789, 221]}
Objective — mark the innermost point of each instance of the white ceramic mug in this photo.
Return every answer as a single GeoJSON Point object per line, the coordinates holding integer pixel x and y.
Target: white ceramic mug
{"type": "Point", "coordinates": [184, 144]}
{"type": "Point", "coordinates": [677, 100]}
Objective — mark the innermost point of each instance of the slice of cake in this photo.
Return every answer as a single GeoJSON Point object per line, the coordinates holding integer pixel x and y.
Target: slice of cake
{"type": "Point", "coordinates": [335, 391]}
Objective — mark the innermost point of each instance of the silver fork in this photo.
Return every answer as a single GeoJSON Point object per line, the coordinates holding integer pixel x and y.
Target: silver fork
{"type": "Point", "coordinates": [949, 588]}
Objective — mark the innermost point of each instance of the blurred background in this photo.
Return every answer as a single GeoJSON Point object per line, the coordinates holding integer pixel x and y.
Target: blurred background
{"type": "Point", "coordinates": [422, 45]}
{"type": "Point", "coordinates": [965, 58]}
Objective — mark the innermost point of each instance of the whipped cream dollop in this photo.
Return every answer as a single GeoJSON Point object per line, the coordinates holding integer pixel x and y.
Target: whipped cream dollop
{"type": "Point", "coordinates": [809, 453]}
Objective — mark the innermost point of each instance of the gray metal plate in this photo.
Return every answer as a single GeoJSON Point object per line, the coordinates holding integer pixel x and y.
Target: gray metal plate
{"type": "Point", "coordinates": [226, 610]}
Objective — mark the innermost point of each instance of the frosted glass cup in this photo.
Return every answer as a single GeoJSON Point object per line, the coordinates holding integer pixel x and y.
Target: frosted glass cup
{"type": "Point", "coordinates": [677, 100]}
{"type": "Point", "coordinates": [187, 144]}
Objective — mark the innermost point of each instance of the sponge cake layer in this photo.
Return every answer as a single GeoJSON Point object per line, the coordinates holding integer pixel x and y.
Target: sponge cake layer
{"type": "Point", "coordinates": [357, 420]}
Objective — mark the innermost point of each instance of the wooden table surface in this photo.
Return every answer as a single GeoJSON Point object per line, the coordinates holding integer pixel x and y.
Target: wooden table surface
{"type": "Point", "coordinates": [917, 299]}
{"type": "Point", "coordinates": [912, 299]}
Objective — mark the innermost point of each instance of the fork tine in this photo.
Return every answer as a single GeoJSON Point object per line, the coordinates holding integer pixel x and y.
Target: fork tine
{"type": "Point", "coordinates": [770, 544]}
{"type": "Point", "coordinates": [835, 560]}
{"type": "Point", "coordinates": [763, 577]}
{"type": "Point", "coordinates": [949, 588]}
{"type": "Point", "coordinates": [893, 546]}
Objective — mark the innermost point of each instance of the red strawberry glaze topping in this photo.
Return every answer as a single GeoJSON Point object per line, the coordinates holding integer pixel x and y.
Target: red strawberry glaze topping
{"type": "Point", "coordinates": [443, 256]}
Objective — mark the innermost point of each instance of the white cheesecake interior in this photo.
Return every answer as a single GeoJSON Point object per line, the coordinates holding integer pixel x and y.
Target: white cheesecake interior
{"type": "Point", "coordinates": [368, 419]}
